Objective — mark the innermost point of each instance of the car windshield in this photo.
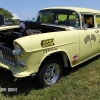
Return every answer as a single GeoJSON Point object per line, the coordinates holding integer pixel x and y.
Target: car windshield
{"type": "Point", "coordinates": [59, 17]}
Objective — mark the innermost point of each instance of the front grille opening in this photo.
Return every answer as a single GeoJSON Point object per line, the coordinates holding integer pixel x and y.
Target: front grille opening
{"type": "Point", "coordinates": [6, 54]}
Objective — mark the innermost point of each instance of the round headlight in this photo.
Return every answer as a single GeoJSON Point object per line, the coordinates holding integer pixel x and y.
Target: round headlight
{"type": "Point", "coordinates": [17, 49]}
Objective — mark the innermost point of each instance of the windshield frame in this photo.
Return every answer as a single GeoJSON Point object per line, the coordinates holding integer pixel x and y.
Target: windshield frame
{"type": "Point", "coordinates": [60, 11]}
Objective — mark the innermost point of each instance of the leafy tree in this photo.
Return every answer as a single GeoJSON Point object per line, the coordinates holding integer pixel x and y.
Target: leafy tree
{"type": "Point", "coordinates": [8, 16]}
{"type": "Point", "coordinates": [15, 22]}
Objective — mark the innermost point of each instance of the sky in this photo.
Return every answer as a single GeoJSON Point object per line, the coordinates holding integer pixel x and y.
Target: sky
{"type": "Point", "coordinates": [27, 9]}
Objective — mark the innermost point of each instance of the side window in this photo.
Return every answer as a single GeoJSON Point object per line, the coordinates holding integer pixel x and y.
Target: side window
{"type": "Point", "coordinates": [98, 20]}
{"type": "Point", "coordinates": [89, 20]}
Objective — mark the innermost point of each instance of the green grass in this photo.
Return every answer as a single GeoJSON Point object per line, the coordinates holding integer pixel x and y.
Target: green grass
{"type": "Point", "coordinates": [79, 83]}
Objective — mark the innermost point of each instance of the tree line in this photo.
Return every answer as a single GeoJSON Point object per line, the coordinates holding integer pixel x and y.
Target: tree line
{"type": "Point", "coordinates": [8, 15]}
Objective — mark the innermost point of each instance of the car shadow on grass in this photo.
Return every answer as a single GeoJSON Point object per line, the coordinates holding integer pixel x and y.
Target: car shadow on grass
{"type": "Point", "coordinates": [25, 85]}
{"type": "Point", "coordinates": [11, 86]}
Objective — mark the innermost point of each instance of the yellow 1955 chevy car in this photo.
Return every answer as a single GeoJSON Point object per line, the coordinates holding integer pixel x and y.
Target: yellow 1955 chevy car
{"type": "Point", "coordinates": [60, 37]}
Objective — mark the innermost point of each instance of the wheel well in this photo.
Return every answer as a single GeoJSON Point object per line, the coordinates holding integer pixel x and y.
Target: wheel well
{"type": "Point", "coordinates": [62, 56]}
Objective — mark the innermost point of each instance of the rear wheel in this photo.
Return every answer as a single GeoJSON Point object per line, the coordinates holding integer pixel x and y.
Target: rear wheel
{"type": "Point", "coordinates": [51, 72]}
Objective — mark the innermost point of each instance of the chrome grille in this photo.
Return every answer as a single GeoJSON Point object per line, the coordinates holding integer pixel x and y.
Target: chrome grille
{"type": "Point", "coordinates": [6, 55]}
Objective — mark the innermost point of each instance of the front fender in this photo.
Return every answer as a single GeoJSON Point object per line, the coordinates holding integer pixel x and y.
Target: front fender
{"type": "Point", "coordinates": [64, 41]}
{"type": "Point", "coordinates": [65, 56]}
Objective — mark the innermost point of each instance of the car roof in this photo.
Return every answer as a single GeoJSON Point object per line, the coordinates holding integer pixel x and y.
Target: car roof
{"type": "Point", "coordinates": [77, 9]}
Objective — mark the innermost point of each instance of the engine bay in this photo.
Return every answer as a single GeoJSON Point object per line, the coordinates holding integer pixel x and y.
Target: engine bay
{"type": "Point", "coordinates": [28, 28]}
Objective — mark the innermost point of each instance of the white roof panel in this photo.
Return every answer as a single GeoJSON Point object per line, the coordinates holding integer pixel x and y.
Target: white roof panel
{"type": "Point", "coordinates": [78, 9]}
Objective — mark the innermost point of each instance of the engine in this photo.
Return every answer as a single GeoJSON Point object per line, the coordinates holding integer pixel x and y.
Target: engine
{"type": "Point", "coordinates": [28, 28]}
{"type": "Point", "coordinates": [6, 38]}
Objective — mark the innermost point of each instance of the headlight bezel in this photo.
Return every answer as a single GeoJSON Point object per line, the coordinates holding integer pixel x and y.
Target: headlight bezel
{"type": "Point", "coordinates": [18, 50]}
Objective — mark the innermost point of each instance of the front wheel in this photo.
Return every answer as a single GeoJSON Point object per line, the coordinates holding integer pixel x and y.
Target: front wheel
{"type": "Point", "coordinates": [51, 72]}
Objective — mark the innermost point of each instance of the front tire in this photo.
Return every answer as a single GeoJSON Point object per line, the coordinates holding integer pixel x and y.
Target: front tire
{"type": "Point", "coordinates": [50, 72]}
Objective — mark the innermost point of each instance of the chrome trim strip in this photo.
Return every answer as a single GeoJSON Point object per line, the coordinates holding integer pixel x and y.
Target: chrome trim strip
{"type": "Point", "coordinates": [21, 64]}
{"type": "Point", "coordinates": [8, 62]}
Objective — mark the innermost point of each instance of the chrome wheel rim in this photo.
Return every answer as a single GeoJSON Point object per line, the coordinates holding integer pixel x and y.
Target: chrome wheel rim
{"type": "Point", "coordinates": [52, 74]}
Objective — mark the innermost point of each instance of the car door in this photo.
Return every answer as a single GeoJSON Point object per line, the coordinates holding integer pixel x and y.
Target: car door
{"type": "Point", "coordinates": [89, 38]}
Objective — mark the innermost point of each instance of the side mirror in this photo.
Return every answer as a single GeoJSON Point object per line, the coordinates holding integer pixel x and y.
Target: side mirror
{"type": "Point", "coordinates": [85, 26]}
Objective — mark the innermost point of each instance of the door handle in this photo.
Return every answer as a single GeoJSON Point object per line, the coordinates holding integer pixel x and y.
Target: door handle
{"type": "Point", "coordinates": [97, 31]}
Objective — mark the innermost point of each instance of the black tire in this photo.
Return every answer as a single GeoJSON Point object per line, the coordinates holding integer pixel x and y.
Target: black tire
{"type": "Point", "coordinates": [50, 72]}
